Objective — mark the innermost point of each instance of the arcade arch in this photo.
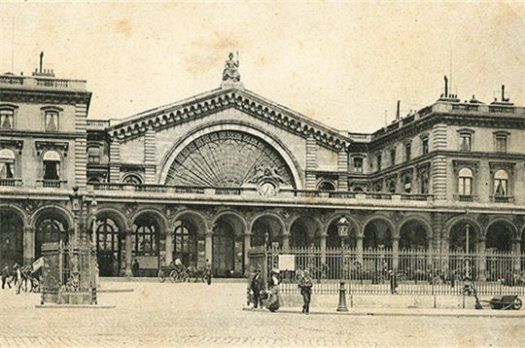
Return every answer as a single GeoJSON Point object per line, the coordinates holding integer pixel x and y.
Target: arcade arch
{"type": "Point", "coordinates": [11, 237]}
{"type": "Point", "coordinates": [378, 232]}
{"type": "Point", "coordinates": [228, 246]}
{"type": "Point", "coordinates": [52, 225]}
{"type": "Point", "coordinates": [267, 230]}
{"type": "Point", "coordinates": [305, 231]}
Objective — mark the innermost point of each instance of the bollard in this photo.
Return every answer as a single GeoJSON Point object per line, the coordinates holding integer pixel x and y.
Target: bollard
{"type": "Point", "coordinates": [342, 298]}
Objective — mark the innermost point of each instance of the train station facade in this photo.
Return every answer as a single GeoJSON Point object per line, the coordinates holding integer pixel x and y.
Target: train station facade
{"type": "Point", "coordinates": [211, 176]}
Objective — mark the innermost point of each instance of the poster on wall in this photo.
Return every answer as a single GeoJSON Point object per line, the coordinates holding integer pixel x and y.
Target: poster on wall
{"type": "Point", "coordinates": [287, 262]}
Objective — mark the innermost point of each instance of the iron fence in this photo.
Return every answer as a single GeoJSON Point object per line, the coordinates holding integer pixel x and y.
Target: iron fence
{"type": "Point", "coordinates": [412, 271]}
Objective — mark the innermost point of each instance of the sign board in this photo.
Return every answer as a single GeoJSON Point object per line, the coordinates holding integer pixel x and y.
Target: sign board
{"type": "Point", "coordinates": [287, 262]}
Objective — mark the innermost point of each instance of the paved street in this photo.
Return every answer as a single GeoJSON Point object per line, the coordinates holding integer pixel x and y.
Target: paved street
{"type": "Point", "coordinates": [197, 315]}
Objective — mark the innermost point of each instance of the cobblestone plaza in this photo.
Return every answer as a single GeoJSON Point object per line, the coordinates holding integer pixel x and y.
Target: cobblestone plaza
{"type": "Point", "coordinates": [193, 314]}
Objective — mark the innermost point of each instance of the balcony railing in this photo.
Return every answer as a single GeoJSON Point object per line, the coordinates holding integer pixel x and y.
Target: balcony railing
{"type": "Point", "coordinates": [240, 191]}
{"type": "Point", "coordinates": [52, 183]}
{"type": "Point", "coordinates": [466, 198]}
{"type": "Point", "coordinates": [502, 199]}
{"type": "Point", "coordinates": [11, 182]}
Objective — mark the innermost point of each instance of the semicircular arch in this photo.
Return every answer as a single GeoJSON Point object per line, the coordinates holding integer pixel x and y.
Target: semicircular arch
{"type": "Point", "coordinates": [232, 125]}
{"type": "Point", "coordinates": [21, 214]}
{"type": "Point", "coordinates": [61, 211]}
{"type": "Point", "coordinates": [421, 220]}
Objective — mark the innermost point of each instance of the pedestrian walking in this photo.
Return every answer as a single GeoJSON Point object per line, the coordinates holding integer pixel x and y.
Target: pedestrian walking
{"type": "Point", "coordinates": [256, 287]}
{"type": "Point", "coordinates": [5, 276]}
{"type": "Point", "coordinates": [207, 271]}
{"type": "Point", "coordinates": [18, 279]}
{"type": "Point", "coordinates": [135, 268]}
{"type": "Point", "coordinates": [306, 284]}
{"type": "Point", "coordinates": [393, 282]}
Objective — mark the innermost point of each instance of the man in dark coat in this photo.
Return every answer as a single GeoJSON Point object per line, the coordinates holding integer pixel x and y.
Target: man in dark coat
{"type": "Point", "coordinates": [5, 275]}
{"type": "Point", "coordinates": [305, 284]}
{"type": "Point", "coordinates": [393, 281]}
{"type": "Point", "coordinates": [256, 287]}
{"type": "Point", "coordinates": [135, 268]}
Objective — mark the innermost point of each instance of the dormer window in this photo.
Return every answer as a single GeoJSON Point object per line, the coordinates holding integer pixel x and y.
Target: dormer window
{"type": "Point", "coordinates": [393, 156]}
{"type": "Point", "coordinates": [51, 120]}
{"type": "Point", "coordinates": [7, 118]}
{"type": "Point", "coordinates": [408, 151]}
{"type": "Point", "coordinates": [465, 140]}
{"type": "Point", "coordinates": [378, 161]}
{"type": "Point", "coordinates": [424, 145]}
{"type": "Point", "coordinates": [500, 141]}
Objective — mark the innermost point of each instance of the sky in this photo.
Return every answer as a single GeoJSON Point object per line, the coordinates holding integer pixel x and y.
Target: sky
{"type": "Point", "coordinates": [344, 64]}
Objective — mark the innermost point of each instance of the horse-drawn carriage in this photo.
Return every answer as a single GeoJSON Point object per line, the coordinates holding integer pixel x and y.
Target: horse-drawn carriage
{"type": "Point", "coordinates": [179, 273]}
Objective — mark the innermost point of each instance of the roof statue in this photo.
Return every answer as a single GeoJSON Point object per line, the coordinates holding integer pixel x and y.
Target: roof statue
{"type": "Point", "coordinates": [231, 69]}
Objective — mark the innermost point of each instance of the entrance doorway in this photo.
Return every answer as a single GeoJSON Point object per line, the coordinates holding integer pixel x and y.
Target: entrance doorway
{"type": "Point", "coordinates": [228, 247]}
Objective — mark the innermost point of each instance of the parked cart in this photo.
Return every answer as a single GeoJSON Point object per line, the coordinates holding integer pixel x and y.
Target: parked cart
{"type": "Point", "coordinates": [506, 302]}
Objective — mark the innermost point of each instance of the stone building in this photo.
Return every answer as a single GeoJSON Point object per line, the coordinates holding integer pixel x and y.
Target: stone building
{"type": "Point", "coordinates": [210, 176]}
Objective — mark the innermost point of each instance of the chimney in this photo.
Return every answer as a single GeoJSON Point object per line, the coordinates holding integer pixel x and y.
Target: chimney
{"type": "Point", "coordinates": [398, 117]}
{"type": "Point", "coordinates": [446, 86]}
{"type": "Point", "coordinates": [41, 60]}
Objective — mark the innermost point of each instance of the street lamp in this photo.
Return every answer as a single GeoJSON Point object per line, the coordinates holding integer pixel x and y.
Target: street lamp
{"type": "Point", "coordinates": [467, 232]}
{"type": "Point", "coordinates": [76, 206]}
{"type": "Point", "coordinates": [94, 208]}
{"type": "Point", "coordinates": [342, 228]}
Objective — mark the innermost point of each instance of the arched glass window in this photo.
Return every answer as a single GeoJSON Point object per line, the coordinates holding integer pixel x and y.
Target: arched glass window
{"type": "Point", "coordinates": [145, 237]}
{"type": "Point", "coordinates": [51, 162]}
{"type": "Point", "coordinates": [7, 119]}
{"type": "Point", "coordinates": [7, 164]}
{"type": "Point", "coordinates": [465, 181]}
{"type": "Point", "coordinates": [185, 243]}
{"type": "Point", "coordinates": [132, 179]}
{"type": "Point", "coordinates": [326, 186]}
{"type": "Point", "coordinates": [501, 179]}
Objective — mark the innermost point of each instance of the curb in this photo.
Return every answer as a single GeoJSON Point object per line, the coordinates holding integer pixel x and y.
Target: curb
{"type": "Point", "coordinates": [407, 313]}
{"type": "Point", "coordinates": [114, 290]}
{"type": "Point", "coordinates": [65, 306]}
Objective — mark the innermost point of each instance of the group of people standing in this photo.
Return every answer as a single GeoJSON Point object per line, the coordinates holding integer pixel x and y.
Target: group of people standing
{"type": "Point", "coordinates": [271, 298]}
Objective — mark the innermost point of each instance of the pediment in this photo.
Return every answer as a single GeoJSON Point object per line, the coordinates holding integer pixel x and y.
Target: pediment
{"type": "Point", "coordinates": [211, 102]}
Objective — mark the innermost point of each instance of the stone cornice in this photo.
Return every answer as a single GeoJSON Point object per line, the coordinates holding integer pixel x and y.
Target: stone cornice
{"type": "Point", "coordinates": [219, 100]}
{"type": "Point", "coordinates": [47, 135]}
{"type": "Point", "coordinates": [486, 120]}
{"type": "Point", "coordinates": [45, 97]}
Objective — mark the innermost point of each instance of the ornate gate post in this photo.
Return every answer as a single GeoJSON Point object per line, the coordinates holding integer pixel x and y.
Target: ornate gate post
{"type": "Point", "coordinates": [169, 247]}
{"type": "Point", "coordinates": [395, 252]}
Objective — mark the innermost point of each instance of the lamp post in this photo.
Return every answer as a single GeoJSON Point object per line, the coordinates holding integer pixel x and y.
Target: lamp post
{"type": "Point", "coordinates": [467, 232]}
{"type": "Point", "coordinates": [342, 229]}
{"type": "Point", "coordinates": [94, 208]}
{"type": "Point", "coordinates": [76, 207]}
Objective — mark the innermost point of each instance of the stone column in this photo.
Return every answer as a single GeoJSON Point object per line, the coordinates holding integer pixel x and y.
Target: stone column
{"type": "Point", "coordinates": [129, 256]}
{"type": "Point", "coordinates": [247, 246]}
{"type": "Point", "coordinates": [169, 247]}
{"type": "Point", "coordinates": [517, 255]}
{"type": "Point", "coordinates": [323, 248]}
{"type": "Point", "coordinates": [481, 260]}
{"type": "Point", "coordinates": [209, 246]}
{"type": "Point", "coordinates": [395, 252]}
{"type": "Point", "coordinates": [359, 249]}
{"type": "Point", "coordinates": [29, 245]}
{"type": "Point", "coordinates": [286, 241]}
{"type": "Point", "coordinates": [430, 254]}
